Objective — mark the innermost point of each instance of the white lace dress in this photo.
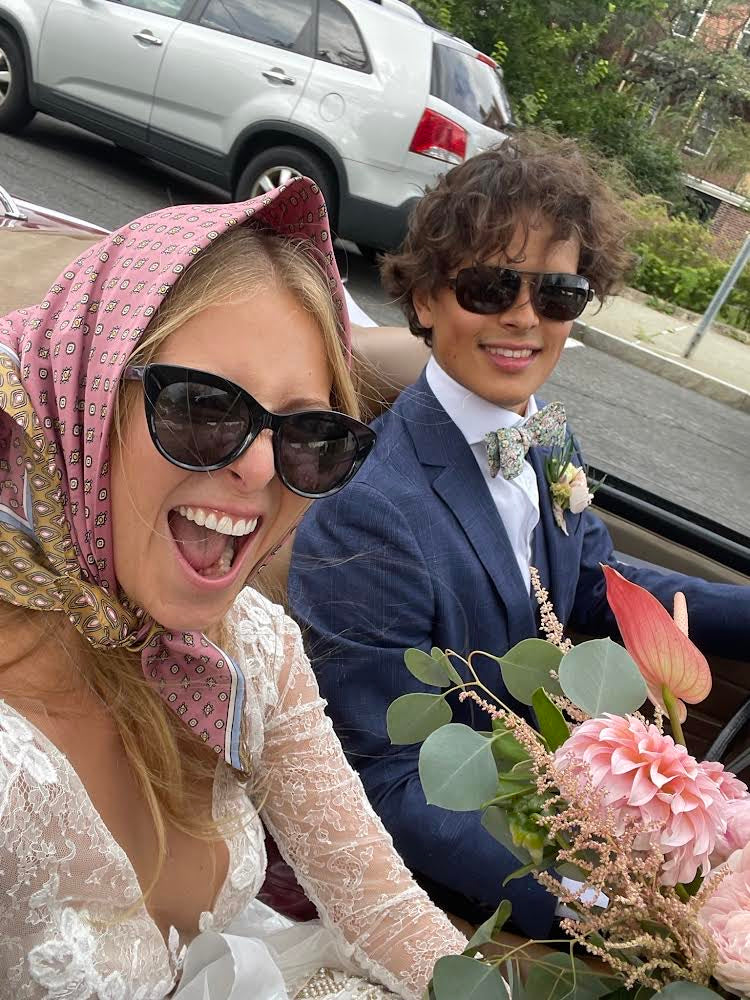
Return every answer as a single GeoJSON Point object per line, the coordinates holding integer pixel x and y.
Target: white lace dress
{"type": "Point", "coordinates": [64, 880]}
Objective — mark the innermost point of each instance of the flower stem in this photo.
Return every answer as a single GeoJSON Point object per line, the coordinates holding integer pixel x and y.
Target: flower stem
{"type": "Point", "coordinates": [682, 893]}
{"type": "Point", "coordinates": [670, 703]}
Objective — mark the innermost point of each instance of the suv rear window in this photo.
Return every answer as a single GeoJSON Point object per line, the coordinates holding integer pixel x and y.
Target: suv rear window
{"type": "Point", "coordinates": [470, 85]}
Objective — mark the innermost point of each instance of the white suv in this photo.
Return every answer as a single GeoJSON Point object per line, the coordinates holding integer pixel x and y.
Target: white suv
{"type": "Point", "coordinates": [362, 96]}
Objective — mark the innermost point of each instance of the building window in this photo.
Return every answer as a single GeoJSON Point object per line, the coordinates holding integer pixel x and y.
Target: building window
{"type": "Point", "coordinates": [689, 19]}
{"type": "Point", "coordinates": [705, 132]}
{"type": "Point", "coordinates": [743, 42]}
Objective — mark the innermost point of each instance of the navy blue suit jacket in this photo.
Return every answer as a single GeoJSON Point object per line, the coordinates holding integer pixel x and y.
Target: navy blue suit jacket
{"type": "Point", "coordinates": [414, 553]}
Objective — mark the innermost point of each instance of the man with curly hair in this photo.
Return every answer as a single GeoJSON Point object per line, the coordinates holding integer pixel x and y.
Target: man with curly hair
{"type": "Point", "coordinates": [433, 543]}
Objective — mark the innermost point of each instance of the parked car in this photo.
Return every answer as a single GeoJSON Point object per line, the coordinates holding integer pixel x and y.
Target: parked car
{"type": "Point", "coordinates": [362, 96]}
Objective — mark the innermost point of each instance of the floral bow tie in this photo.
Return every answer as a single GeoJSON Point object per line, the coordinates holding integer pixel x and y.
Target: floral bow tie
{"type": "Point", "coordinates": [507, 448]}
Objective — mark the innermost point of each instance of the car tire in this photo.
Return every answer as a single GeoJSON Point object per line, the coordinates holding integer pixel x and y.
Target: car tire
{"type": "Point", "coordinates": [15, 107]}
{"type": "Point", "coordinates": [278, 165]}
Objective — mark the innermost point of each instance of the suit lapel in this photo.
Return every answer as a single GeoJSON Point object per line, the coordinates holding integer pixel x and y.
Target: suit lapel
{"type": "Point", "coordinates": [458, 481]}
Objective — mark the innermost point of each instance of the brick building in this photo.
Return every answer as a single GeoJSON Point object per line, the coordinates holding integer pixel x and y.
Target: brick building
{"type": "Point", "coordinates": [718, 25]}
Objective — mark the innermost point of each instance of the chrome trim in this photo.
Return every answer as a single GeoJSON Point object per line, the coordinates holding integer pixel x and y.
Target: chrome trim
{"type": "Point", "coordinates": [9, 207]}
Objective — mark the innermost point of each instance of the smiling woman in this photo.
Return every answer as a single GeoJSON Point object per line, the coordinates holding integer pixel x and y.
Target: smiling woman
{"type": "Point", "coordinates": [167, 413]}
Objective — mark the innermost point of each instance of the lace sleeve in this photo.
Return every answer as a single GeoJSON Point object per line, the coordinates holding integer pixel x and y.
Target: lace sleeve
{"type": "Point", "coordinates": [319, 815]}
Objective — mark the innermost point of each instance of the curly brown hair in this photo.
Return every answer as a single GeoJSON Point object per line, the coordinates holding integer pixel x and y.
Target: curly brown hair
{"type": "Point", "coordinates": [473, 210]}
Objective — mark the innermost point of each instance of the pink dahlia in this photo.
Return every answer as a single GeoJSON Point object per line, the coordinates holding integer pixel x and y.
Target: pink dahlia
{"type": "Point", "coordinates": [737, 834]}
{"type": "Point", "coordinates": [726, 915]}
{"type": "Point", "coordinates": [646, 776]}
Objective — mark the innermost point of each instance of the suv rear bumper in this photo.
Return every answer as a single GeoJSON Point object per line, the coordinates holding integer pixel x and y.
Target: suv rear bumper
{"type": "Point", "coordinates": [374, 224]}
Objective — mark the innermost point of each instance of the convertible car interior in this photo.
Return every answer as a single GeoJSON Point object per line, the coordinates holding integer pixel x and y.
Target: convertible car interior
{"type": "Point", "coordinates": [644, 526]}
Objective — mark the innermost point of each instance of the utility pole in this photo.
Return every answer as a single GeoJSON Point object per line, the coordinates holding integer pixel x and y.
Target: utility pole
{"type": "Point", "coordinates": [722, 292]}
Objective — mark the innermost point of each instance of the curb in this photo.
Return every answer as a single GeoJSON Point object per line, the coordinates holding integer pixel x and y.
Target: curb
{"type": "Point", "coordinates": [674, 371]}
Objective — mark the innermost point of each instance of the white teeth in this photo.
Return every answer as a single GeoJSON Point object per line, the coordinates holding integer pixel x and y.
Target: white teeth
{"type": "Point", "coordinates": [506, 352]}
{"type": "Point", "coordinates": [223, 523]}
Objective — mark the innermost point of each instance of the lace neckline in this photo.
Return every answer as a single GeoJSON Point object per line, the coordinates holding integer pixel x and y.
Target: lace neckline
{"type": "Point", "coordinates": [207, 918]}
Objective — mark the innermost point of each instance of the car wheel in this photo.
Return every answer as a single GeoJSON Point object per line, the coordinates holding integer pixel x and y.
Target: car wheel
{"type": "Point", "coordinates": [281, 164]}
{"type": "Point", "coordinates": [15, 107]}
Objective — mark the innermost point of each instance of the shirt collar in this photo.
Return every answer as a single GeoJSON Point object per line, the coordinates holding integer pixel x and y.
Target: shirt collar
{"type": "Point", "coordinates": [473, 415]}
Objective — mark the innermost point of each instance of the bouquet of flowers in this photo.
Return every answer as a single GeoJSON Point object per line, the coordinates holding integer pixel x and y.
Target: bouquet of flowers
{"type": "Point", "coordinates": [648, 848]}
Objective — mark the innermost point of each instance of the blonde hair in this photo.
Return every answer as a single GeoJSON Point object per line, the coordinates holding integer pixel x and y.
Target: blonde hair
{"type": "Point", "coordinates": [172, 767]}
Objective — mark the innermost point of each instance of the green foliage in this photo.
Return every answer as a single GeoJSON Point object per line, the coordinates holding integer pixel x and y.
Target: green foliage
{"type": "Point", "coordinates": [485, 933]}
{"type": "Point", "coordinates": [564, 977]}
{"type": "Point", "coordinates": [527, 667]}
{"type": "Point", "coordinates": [676, 262]}
{"type": "Point", "coordinates": [567, 68]}
{"type": "Point", "coordinates": [552, 724]}
{"type": "Point", "coordinates": [505, 746]}
{"type": "Point", "coordinates": [412, 717]}
{"type": "Point", "coordinates": [686, 991]}
{"type": "Point", "coordinates": [600, 676]}
{"type": "Point", "coordinates": [426, 669]}
{"type": "Point", "coordinates": [460, 976]}
{"type": "Point", "coordinates": [457, 769]}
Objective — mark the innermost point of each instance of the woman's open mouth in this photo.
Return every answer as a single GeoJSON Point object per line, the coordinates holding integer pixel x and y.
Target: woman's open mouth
{"type": "Point", "coordinates": [210, 542]}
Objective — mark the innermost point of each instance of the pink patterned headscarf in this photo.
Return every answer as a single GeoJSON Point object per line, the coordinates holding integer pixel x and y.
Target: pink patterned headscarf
{"type": "Point", "coordinates": [60, 367]}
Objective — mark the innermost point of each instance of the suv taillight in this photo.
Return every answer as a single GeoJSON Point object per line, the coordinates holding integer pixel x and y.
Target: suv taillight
{"type": "Point", "coordinates": [439, 137]}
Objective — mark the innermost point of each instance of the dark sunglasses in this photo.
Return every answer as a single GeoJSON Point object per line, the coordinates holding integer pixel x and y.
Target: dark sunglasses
{"type": "Point", "coordinates": [202, 422]}
{"type": "Point", "coordinates": [488, 290]}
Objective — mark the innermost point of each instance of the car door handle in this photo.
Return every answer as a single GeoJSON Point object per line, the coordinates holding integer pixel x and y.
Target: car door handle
{"type": "Point", "coordinates": [147, 37]}
{"type": "Point", "coordinates": [277, 75]}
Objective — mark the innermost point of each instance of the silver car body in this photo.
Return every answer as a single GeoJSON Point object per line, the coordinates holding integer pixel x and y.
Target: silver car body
{"type": "Point", "coordinates": [182, 82]}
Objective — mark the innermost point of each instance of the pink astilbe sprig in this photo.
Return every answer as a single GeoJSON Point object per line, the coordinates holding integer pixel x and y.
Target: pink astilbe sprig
{"type": "Point", "coordinates": [551, 625]}
{"type": "Point", "coordinates": [493, 711]}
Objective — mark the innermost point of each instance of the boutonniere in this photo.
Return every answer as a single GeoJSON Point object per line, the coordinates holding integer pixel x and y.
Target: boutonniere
{"type": "Point", "coordinates": [569, 486]}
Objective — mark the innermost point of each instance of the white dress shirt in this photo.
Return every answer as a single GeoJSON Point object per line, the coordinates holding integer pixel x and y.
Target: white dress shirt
{"type": "Point", "coordinates": [517, 500]}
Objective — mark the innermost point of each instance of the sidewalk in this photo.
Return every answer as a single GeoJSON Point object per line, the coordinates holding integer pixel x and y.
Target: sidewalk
{"type": "Point", "coordinates": [626, 327]}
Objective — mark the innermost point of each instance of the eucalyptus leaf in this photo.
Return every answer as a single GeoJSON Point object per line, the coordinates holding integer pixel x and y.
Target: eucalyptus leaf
{"type": "Point", "coordinates": [457, 769]}
{"type": "Point", "coordinates": [563, 977]}
{"type": "Point", "coordinates": [495, 822]}
{"type": "Point", "coordinates": [552, 724]}
{"type": "Point", "coordinates": [412, 717]}
{"type": "Point", "coordinates": [599, 676]}
{"type": "Point", "coordinates": [686, 991]}
{"type": "Point", "coordinates": [527, 667]}
{"type": "Point", "coordinates": [484, 933]}
{"type": "Point", "coordinates": [426, 669]}
{"type": "Point", "coordinates": [445, 662]}
{"type": "Point", "coordinates": [457, 976]}
{"type": "Point", "coordinates": [636, 993]}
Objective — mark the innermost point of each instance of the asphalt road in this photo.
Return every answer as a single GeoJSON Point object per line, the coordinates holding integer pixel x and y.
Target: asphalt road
{"type": "Point", "coordinates": [632, 423]}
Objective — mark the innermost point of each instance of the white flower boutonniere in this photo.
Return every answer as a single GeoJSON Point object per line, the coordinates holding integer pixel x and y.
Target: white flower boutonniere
{"type": "Point", "coordinates": [568, 484]}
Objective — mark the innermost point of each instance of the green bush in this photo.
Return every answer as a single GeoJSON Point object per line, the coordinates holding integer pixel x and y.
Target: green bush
{"type": "Point", "coordinates": [676, 262]}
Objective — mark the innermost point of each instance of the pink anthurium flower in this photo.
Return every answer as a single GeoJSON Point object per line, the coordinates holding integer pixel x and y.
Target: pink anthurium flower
{"type": "Point", "coordinates": [660, 646]}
